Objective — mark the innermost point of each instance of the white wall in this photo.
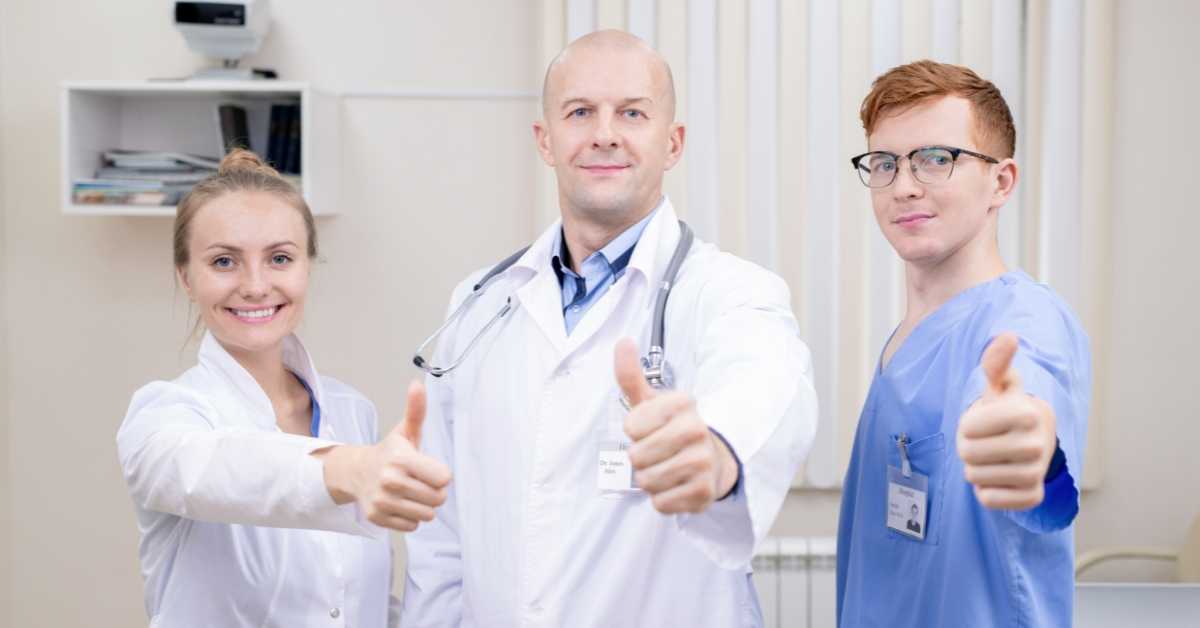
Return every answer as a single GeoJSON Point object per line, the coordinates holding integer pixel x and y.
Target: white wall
{"type": "Point", "coordinates": [1149, 495]}
{"type": "Point", "coordinates": [433, 188]}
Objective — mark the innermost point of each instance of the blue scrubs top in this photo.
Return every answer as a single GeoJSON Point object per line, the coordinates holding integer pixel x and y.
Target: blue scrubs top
{"type": "Point", "coordinates": [976, 567]}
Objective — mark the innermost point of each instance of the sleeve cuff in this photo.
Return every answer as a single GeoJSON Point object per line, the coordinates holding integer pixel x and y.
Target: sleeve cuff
{"type": "Point", "coordinates": [737, 484]}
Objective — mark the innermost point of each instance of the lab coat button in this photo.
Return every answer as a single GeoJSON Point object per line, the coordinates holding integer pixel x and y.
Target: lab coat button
{"type": "Point", "coordinates": [335, 613]}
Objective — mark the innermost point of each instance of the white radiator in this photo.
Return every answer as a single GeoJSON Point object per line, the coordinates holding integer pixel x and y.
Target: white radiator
{"type": "Point", "coordinates": [795, 578]}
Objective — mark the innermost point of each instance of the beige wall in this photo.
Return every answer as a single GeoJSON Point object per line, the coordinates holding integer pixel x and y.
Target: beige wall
{"type": "Point", "coordinates": [433, 188]}
{"type": "Point", "coordinates": [1152, 430]}
{"type": "Point", "coordinates": [5, 473]}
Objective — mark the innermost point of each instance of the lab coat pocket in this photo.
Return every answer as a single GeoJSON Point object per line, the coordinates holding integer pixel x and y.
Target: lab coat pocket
{"type": "Point", "coordinates": [927, 456]}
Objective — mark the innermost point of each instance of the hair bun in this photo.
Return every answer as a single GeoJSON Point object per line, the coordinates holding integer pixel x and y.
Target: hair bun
{"type": "Point", "coordinates": [242, 160]}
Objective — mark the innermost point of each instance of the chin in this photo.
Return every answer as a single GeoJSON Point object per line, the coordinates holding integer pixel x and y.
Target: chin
{"type": "Point", "coordinates": [251, 341]}
{"type": "Point", "coordinates": [604, 205]}
{"type": "Point", "coordinates": [917, 251]}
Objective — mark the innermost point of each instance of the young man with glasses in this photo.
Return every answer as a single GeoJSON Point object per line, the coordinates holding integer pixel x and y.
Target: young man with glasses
{"type": "Point", "coordinates": [976, 417]}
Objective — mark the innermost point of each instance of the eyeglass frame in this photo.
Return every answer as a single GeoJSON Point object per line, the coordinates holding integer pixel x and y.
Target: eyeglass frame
{"type": "Point", "coordinates": [954, 154]}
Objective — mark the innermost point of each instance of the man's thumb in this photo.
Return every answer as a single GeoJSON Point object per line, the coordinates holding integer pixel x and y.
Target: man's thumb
{"type": "Point", "coordinates": [414, 413]}
{"type": "Point", "coordinates": [997, 363]}
{"type": "Point", "coordinates": [628, 369]}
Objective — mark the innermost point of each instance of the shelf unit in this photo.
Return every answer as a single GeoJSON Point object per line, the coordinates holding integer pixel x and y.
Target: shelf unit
{"type": "Point", "coordinates": [181, 116]}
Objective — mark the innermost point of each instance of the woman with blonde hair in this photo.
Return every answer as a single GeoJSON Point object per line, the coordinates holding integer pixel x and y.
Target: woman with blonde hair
{"type": "Point", "coordinates": [260, 489]}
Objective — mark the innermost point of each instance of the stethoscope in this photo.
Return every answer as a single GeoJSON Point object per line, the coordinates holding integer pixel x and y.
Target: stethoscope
{"type": "Point", "coordinates": [655, 368]}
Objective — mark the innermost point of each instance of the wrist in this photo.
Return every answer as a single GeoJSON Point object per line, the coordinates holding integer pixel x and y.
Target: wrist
{"type": "Point", "coordinates": [727, 466]}
{"type": "Point", "coordinates": [340, 464]}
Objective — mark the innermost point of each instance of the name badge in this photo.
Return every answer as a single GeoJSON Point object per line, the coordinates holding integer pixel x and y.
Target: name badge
{"type": "Point", "coordinates": [907, 498]}
{"type": "Point", "coordinates": [614, 472]}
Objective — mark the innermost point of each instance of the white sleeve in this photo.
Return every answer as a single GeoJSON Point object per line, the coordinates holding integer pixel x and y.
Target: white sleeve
{"type": "Point", "coordinates": [754, 386]}
{"type": "Point", "coordinates": [176, 461]}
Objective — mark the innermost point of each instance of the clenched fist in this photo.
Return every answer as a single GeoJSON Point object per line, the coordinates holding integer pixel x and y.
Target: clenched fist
{"type": "Point", "coordinates": [676, 459]}
{"type": "Point", "coordinates": [395, 484]}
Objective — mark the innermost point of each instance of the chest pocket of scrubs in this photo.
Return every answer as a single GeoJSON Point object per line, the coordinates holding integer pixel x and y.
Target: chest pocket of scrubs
{"type": "Point", "coordinates": [927, 456]}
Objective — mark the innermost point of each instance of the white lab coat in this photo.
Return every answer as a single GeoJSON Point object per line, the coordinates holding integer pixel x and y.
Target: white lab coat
{"type": "Point", "coordinates": [526, 537]}
{"type": "Point", "coordinates": [234, 513]}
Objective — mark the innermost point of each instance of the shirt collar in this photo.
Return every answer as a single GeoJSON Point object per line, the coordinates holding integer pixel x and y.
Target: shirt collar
{"type": "Point", "coordinates": [615, 254]}
{"type": "Point", "coordinates": [653, 250]}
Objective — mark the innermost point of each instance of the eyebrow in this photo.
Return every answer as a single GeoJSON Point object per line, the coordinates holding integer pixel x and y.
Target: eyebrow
{"type": "Point", "coordinates": [623, 103]}
{"type": "Point", "coordinates": [230, 247]}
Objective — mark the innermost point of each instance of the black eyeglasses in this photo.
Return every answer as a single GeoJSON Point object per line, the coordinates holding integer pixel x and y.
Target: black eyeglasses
{"type": "Point", "coordinates": [930, 164]}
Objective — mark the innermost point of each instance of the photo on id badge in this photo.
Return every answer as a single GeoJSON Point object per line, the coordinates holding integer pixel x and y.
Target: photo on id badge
{"type": "Point", "coordinates": [614, 473]}
{"type": "Point", "coordinates": [907, 501]}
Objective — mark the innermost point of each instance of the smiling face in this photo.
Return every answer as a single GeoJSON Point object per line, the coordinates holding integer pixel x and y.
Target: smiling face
{"type": "Point", "coordinates": [929, 223]}
{"type": "Point", "coordinates": [247, 270]}
{"type": "Point", "coordinates": [608, 128]}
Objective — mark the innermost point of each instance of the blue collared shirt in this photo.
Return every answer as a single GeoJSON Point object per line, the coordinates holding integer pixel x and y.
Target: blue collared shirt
{"type": "Point", "coordinates": [597, 273]}
{"type": "Point", "coordinates": [975, 567]}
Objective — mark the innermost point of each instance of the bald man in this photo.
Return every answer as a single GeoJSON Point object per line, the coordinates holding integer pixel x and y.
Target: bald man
{"type": "Point", "coordinates": [592, 488]}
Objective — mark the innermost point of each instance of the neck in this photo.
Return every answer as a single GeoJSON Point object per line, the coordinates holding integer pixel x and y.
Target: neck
{"type": "Point", "coordinates": [929, 285]}
{"type": "Point", "coordinates": [266, 367]}
{"type": "Point", "coordinates": [585, 234]}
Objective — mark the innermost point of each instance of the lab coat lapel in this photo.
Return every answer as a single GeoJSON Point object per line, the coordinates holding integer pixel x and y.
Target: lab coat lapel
{"type": "Point", "coordinates": [251, 396]}
{"type": "Point", "coordinates": [297, 360]}
{"type": "Point", "coordinates": [541, 296]}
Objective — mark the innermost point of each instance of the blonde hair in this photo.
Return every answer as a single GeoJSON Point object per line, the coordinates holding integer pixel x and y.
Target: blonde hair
{"type": "Point", "coordinates": [240, 171]}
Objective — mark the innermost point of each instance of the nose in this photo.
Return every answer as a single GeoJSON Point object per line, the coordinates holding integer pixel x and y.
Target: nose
{"type": "Point", "coordinates": [906, 186]}
{"type": "Point", "coordinates": [604, 136]}
{"type": "Point", "coordinates": [254, 285]}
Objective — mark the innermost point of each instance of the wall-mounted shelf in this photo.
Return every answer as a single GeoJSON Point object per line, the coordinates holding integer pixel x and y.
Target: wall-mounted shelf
{"type": "Point", "coordinates": [180, 116]}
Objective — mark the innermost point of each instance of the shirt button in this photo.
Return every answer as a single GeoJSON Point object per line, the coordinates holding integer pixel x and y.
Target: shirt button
{"type": "Point", "coordinates": [335, 613]}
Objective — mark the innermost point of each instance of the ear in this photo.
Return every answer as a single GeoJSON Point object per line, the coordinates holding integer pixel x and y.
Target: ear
{"type": "Point", "coordinates": [1005, 182]}
{"type": "Point", "coordinates": [182, 276]}
{"type": "Point", "coordinates": [675, 141]}
{"type": "Point", "coordinates": [541, 137]}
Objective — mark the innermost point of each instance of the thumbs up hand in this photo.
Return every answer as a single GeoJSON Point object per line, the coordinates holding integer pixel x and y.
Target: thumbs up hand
{"type": "Point", "coordinates": [676, 459]}
{"type": "Point", "coordinates": [1006, 439]}
{"type": "Point", "coordinates": [395, 484]}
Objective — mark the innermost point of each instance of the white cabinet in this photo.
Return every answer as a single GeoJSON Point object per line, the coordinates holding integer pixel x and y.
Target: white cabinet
{"type": "Point", "coordinates": [181, 116]}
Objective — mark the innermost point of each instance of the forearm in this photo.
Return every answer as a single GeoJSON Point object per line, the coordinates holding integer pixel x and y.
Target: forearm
{"type": "Point", "coordinates": [236, 476]}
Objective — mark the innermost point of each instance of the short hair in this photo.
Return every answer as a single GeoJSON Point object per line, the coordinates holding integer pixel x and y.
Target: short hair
{"type": "Point", "coordinates": [906, 86]}
{"type": "Point", "coordinates": [240, 171]}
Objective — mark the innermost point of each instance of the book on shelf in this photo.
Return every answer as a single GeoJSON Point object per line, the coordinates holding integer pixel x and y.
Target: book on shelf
{"type": "Point", "coordinates": [159, 160]}
{"type": "Point", "coordinates": [276, 146]}
{"type": "Point", "coordinates": [293, 141]}
{"type": "Point", "coordinates": [283, 138]}
{"type": "Point", "coordinates": [235, 132]}
{"type": "Point", "coordinates": [143, 174]}
{"type": "Point", "coordinates": [142, 178]}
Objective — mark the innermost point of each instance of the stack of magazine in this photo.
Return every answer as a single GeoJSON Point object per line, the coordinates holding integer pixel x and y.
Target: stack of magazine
{"type": "Point", "coordinates": [131, 177]}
